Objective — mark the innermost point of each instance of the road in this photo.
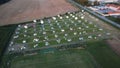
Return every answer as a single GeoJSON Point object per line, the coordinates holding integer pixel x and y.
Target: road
{"type": "Point", "coordinates": [95, 14]}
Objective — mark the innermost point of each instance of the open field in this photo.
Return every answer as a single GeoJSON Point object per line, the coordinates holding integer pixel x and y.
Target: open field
{"type": "Point", "coordinates": [72, 58]}
{"type": "Point", "coordinates": [74, 27]}
{"type": "Point", "coordinates": [96, 54]}
{"type": "Point", "coordinates": [115, 44]}
{"type": "Point", "coordinates": [70, 40]}
{"type": "Point", "coordinates": [5, 35]}
{"type": "Point", "coordinates": [56, 31]}
{"type": "Point", "coordinates": [103, 54]}
{"type": "Point", "coordinates": [16, 11]}
{"type": "Point", "coordinates": [65, 29]}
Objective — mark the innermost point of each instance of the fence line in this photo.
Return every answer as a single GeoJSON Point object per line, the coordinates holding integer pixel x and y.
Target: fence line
{"type": "Point", "coordinates": [95, 14]}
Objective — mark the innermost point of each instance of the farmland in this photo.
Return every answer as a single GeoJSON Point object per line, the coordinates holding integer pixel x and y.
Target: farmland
{"type": "Point", "coordinates": [55, 34]}
{"type": "Point", "coordinates": [68, 40]}
{"type": "Point", "coordinates": [56, 31]}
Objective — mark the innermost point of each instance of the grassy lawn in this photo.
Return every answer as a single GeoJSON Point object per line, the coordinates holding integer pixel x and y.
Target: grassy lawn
{"type": "Point", "coordinates": [117, 20]}
{"type": "Point", "coordinates": [103, 54]}
{"type": "Point", "coordinates": [5, 35]}
{"type": "Point", "coordinates": [72, 58]}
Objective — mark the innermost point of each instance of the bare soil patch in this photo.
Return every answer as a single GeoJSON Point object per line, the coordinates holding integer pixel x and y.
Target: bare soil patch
{"type": "Point", "coordinates": [114, 44]}
{"type": "Point", "coordinates": [17, 11]}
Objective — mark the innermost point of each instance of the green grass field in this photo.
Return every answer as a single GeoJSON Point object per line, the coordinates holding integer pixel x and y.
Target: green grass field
{"type": "Point", "coordinates": [72, 58]}
{"type": "Point", "coordinates": [103, 54]}
{"type": "Point", "coordinates": [5, 35]}
{"type": "Point", "coordinates": [117, 20]}
{"type": "Point", "coordinates": [96, 54]}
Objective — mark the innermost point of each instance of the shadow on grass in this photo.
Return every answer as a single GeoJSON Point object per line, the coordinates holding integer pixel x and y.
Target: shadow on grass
{"type": "Point", "coordinates": [103, 54]}
{"type": "Point", "coordinates": [5, 35]}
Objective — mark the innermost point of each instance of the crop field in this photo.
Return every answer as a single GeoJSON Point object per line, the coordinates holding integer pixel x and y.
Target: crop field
{"type": "Point", "coordinates": [66, 29]}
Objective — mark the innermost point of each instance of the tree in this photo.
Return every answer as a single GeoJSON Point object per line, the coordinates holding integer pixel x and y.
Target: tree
{"type": "Point", "coordinates": [82, 2]}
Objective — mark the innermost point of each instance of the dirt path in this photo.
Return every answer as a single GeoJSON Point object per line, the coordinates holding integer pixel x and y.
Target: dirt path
{"type": "Point", "coordinates": [115, 45]}
{"type": "Point", "coordinates": [17, 11]}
